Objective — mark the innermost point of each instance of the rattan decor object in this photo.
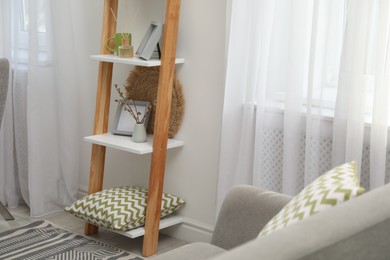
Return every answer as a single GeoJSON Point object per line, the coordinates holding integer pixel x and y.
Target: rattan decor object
{"type": "Point", "coordinates": [142, 84]}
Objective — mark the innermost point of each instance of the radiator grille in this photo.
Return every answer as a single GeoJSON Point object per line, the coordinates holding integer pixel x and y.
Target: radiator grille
{"type": "Point", "coordinates": [270, 165]}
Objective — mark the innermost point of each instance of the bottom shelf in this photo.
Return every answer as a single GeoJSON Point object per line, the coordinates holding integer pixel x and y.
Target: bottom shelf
{"type": "Point", "coordinates": [165, 222]}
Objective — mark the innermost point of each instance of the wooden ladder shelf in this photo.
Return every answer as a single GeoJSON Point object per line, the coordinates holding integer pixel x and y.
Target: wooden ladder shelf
{"type": "Point", "coordinates": [164, 97]}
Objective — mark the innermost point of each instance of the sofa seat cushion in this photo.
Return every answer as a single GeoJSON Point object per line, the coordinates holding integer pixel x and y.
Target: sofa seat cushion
{"type": "Point", "coordinates": [334, 187]}
{"type": "Point", "coordinates": [194, 251]}
{"type": "Point", "coordinates": [120, 208]}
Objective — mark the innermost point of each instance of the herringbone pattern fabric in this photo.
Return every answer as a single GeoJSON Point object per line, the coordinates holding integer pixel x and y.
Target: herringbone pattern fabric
{"type": "Point", "coordinates": [43, 240]}
{"type": "Point", "coordinates": [334, 187]}
{"type": "Point", "coordinates": [120, 208]}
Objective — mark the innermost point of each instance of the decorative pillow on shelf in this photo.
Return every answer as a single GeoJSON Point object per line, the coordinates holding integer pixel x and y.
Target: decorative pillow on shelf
{"type": "Point", "coordinates": [120, 208]}
{"type": "Point", "coordinates": [334, 187]}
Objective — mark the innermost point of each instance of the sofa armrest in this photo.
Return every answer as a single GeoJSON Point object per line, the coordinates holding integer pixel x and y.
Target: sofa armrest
{"type": "Point", "coordinates": [244, 212]}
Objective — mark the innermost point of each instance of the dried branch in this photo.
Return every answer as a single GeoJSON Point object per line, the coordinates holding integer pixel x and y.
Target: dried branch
{"type": "Point", "coordinates": [133, 112]}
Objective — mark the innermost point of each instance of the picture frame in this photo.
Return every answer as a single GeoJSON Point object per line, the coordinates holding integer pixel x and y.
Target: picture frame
{"type": "Point", "coordinates": [150, 41]}
{"type": "Point", "coordinates": [123, 122]}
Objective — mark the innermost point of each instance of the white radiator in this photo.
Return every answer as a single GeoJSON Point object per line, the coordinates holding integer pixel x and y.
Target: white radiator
{"type": "Point", "coordinates": [272, 158]}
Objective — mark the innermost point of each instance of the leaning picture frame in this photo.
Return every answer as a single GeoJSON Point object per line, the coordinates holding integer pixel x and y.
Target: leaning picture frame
{"type": "Point", "coordinates": [150, 41]}
{"type": "Point", "coordinates": [124, 122]}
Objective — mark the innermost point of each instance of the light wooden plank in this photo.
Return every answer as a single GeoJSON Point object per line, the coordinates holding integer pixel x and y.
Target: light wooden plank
{"type": "Point", "coordinates": [163, 109]}
{"type": "Point", "coordinates": [102, 106]}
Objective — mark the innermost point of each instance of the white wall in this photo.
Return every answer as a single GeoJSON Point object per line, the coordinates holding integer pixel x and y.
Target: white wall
{"type": "Point", "coordinates": [191, 171]}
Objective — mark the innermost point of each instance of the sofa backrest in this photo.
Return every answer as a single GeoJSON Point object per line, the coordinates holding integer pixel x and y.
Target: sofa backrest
{"type": "Point", "coordinates": [244, 213]}
{"type": "Point", "coordinates": [371, 243]}
{"type": "Point", "coordinates": [357, 229]}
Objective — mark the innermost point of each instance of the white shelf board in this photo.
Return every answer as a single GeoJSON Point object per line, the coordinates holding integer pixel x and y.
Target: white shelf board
{"type": "Point", "coordinates": [131, 61]}
{"type": "Point", "coordinates": [125, 143]}
{"type": "Point", "coordinates": [165, 222]}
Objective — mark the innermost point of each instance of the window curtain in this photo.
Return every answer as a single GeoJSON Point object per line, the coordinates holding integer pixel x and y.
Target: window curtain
{"type": "Point", "coordinates": [40, 135]}
{"type": "Point", "coordinates": [307, 88]}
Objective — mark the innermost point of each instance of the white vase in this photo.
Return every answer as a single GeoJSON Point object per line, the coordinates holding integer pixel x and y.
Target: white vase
{"type": "Point", "coordinates": [139, 133]}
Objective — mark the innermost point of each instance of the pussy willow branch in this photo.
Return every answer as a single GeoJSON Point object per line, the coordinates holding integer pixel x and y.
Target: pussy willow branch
{"type": "Point", "coordinates": [146, 113]}
{"type": "Point", "coordinates": [136, 111]}
{"type": "Point", "coordinates": [127, 109]}
{"type": "Point", "coordinates": [132, 114]}
{"type": "Point", "coordinates": [128, 106]}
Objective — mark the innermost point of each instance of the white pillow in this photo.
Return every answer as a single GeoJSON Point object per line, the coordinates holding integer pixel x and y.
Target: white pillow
{"type": "Point", "coordinates": [120, 208]}
{"type": "Point", "coordinates": [334, 187]}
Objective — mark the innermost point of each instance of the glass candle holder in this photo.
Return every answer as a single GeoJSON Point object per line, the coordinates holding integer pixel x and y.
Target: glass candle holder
{"type": "Point", "coordinates": [125, 50]}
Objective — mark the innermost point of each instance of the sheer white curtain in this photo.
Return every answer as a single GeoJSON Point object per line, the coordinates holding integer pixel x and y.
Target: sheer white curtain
{"type": "Point", "coordinates": [307, 88]}
{"type": "Point", "coordinates": [40, 136]}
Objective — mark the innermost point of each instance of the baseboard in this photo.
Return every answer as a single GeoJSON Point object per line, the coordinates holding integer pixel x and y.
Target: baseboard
{"type": "Point", "coordinates": [83, 191]}
{"type": "Point", "coordinates": [191, 230]}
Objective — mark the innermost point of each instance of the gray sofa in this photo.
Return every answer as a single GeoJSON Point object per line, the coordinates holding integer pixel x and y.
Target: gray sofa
{"type": "Point", "coordinates": [357, 229]}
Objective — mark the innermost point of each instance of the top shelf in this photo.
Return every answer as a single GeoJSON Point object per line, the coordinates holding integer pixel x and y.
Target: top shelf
{"type": "Point", "coordinates": [131, 61]}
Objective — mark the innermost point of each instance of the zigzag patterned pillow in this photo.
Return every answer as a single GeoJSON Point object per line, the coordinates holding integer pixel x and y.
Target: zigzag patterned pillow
{"type": "Point", "coordinates": [334, 187]}
{"type": "Point", "coordinates": [120, 208]}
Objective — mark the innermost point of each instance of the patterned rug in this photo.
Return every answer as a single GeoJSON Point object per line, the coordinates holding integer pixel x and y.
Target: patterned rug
{"type": "Point", "coordinates": [43, 240]}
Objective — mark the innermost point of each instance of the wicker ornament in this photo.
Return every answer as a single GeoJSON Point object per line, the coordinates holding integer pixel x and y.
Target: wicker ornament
{"type": "Point", "coordinates": [142, 85]}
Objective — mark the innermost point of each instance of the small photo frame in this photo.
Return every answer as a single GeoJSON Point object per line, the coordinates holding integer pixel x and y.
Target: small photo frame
{"type": "Point", "coordinates": [150, 41]}
{"type": "Point", "coordinates": [124, 122]}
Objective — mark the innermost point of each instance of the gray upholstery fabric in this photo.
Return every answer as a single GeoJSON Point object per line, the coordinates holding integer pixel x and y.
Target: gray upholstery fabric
{"type": "Point", "coordinates": [244, 212]}
{"type": "Point", "coordinates": [4, 77]}
{"type": "Point", "coordinates": [373, 240]}
{"type": "Point", "coordinates": [343, 232]}
{"type": "Point", "coordinates": [358, 229]}
{"type": "Point", "coordinates": [194, 251]}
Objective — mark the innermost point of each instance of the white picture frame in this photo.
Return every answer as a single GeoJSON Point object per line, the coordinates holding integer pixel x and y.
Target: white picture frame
{"type": "Point", "coordinates": [150, 41]}
{"type": "Point", "coordinates": [124, 122]}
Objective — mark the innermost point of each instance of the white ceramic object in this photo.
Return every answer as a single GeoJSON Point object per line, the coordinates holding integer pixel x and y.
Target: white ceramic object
{"type": "Point", "coordinates": [139, 133]}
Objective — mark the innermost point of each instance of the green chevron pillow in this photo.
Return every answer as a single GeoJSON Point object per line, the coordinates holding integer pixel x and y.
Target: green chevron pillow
{"type": "Point", "coordinates": [334, 187]}
{"type": "Point", "coordinates": [120, 208]}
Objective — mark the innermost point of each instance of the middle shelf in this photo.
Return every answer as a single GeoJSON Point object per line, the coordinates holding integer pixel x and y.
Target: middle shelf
{"type": "Point", "coordinates": [125, 143]}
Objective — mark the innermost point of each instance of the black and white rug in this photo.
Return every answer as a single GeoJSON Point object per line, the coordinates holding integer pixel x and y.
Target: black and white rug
{"type": "Point", "coordinates": [43, 240]}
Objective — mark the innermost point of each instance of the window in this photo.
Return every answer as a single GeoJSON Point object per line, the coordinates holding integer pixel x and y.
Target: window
{"type": "Point", "coordinates": [24, 17]}
{"type": "Point", "coordinates": [308, 60]}
{"type": "Point", "coordinates": [31, 25]}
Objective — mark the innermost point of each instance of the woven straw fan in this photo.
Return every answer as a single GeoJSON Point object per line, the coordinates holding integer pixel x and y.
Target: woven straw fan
{"type": "Point", "coordinates": [142, 85]}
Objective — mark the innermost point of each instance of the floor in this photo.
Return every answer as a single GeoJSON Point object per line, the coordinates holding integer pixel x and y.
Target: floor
{"type": "Point", "coordinates": [75, 225]}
